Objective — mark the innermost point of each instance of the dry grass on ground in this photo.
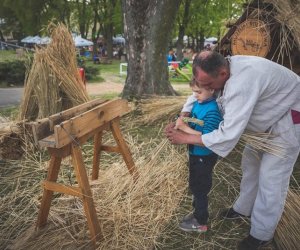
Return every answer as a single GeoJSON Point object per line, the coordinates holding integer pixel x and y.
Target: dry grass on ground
{"type": "Point", "coordinates": [142, 215]}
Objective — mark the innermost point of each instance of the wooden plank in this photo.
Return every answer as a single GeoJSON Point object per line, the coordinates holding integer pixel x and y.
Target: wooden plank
{"type": "Point", "coordinates": [113, 149]}
{"type": "Point", "coordinates": [49, 142]}
{"type": "Point", "coordinates": [88, 202]}
{"type": "Point", "coordinates": [53, 170]}
{"type": "Point", "coordinates": [75, 111]}
{"type": "Point", "coordinates": [97, 154]}
{"type": "Point", "coordinates": [83, 124]}
{"type": "Point", "coordinates": [56, 187]}
{"type": "Point", "coordinates": [40, 129]}
{"type": "Point", "coordinates": [44, 127]}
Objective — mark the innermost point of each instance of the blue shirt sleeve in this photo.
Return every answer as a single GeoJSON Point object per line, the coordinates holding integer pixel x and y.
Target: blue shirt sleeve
{"type": "Point", "coordinates": [211, 120]}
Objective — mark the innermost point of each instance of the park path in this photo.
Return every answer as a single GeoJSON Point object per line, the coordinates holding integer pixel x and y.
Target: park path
{"type": "Point", "coordinates": [115, 84]}
{"type": "Point", "coordinates": [112, 84]}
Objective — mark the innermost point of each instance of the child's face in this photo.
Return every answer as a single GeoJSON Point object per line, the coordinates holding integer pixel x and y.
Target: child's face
{"type": "Point", "coordinates": [201, 93]}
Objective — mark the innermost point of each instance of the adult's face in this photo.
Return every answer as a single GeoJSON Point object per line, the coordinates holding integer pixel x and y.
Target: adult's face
{"type": "Point", "coordinates": [207, 81]}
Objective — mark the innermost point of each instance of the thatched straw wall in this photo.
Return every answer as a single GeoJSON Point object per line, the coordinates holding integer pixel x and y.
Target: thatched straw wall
{"type": "Point", "coordinates": [287, 14]}
{"type": "Point", "coordinates": [282, 19]}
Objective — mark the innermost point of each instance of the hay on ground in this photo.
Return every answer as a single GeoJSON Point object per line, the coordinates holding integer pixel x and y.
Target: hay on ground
{"type": "Point", "coordinates": [287, 234]}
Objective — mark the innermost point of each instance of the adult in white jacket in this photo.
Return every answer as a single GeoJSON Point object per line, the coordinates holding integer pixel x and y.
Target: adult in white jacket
{"type": "Point", "coordinates": [261, 96]}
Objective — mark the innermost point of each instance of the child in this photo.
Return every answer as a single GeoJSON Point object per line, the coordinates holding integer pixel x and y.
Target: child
{"type": "Point", "coordinates": [201, 159]}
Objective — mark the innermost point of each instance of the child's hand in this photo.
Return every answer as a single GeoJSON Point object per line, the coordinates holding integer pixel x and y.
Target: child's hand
{"type": "Point", "coordinates": [180, 123]}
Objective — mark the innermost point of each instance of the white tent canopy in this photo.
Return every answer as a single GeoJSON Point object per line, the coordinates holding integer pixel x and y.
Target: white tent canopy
{"type": "Point", "coordinates": [210, 40]}
{"type": "Point", "coordinates": [119, 40]}
{"type": "Point", "coordinates": [78, 40]}
{"type": "Point", "coordinates": [81, 42]}
{"type": "Point", "coordinates": [32, 39]}
{"type": "Point", "coordinates": [44, 40]}
{"type": "Point", "coordinates": [26, 39]}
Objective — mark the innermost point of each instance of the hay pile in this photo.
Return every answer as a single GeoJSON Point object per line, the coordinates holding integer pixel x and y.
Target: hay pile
{"type": "Point", "coordinates": [11, 142]}
{"type": "Point", "coordinates": [287, 234]}
{"type": "Point", "coordinates": [141, 215]}
{"type": "Point", "coordinates": [53, 83]}
{"type": "Point", "coordinates": [144, 215]}
{"type": "Point", "coordinates": [132, 215]}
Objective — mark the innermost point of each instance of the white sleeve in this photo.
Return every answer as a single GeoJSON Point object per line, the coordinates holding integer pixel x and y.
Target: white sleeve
{"type": "Point", "coordinates": [238, 103]}
{"type": "Point", "coordinates": [187, 107]}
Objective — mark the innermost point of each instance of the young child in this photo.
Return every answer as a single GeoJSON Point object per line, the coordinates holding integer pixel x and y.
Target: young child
{"type": "Point", "coordinates": [201, 159]}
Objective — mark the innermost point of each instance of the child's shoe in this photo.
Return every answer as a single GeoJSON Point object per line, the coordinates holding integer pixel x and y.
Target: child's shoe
{"type": "Point", "coordinates": [192, 225]}
{"type": "Point", "coordinates": [188, 217]}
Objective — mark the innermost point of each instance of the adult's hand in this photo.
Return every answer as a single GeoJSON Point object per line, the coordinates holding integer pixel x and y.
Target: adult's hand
{"type": "Point", "coordinates": [170, 126]}
{"type": "Point", "coordinates": [176, 136]}
{"type": "Point", "coordinates": [179, 137]}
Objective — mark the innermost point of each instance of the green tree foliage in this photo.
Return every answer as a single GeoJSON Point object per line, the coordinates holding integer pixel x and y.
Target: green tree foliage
{"type": "Point", "coordinates": [32, 18]}
{"type": "Point", "coordinates": [80, 15]}
{"type": "Point", "coordinates": [207, 17]}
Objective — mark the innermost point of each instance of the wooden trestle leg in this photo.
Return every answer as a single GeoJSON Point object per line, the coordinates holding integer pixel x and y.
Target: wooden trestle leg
{"type": "Point", "coordinates": [88, 202]}
{"type": "Point", "coordinates": [53, 171]}
{"type": "Point", "coordinates": [97, 155]}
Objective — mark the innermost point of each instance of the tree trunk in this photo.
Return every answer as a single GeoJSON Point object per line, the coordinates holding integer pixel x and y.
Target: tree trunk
{"type": "Point", "coordinates": [108, 34]}
{"type": "Point", "coordinates": [1, 36]}
{"type": "Point", "coordinates": [148, 27]}
{"type": "Point", "coordinates": [182, 27]}
{"type": "Point", "coordinates": [179, 45]}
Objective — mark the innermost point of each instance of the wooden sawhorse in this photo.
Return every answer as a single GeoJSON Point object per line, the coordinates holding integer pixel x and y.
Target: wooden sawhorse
{"type": "Point", "coordinates": [62, 134]}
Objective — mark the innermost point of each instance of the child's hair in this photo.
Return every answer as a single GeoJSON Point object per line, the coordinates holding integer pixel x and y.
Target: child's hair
{"type": "Point", "coordinates": [193, 82]}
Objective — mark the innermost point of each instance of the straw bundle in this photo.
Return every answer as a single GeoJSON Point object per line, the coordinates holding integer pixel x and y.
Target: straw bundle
{"type": "Point", "coordinates": [53, 83]}
{"type": "Point", "coordinates": [287, 234]}
{"type": "Point", "coordinates": [154, 109]}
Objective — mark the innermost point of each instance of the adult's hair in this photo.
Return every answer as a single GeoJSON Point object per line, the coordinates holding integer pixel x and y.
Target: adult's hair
{"type": "Point", "coordinates": [210, 62]}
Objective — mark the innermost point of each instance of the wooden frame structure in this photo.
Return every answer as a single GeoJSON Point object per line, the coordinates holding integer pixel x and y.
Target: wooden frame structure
{"type": "Point", "coordinates": [62, 134]}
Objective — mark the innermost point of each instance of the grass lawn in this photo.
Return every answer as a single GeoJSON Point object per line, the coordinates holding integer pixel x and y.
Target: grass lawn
{"type": "Point", "coordinates": [7, 55]}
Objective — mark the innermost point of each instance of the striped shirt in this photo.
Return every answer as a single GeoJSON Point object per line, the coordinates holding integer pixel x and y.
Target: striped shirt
{"type": "Point", "coordinates": [207, 111]}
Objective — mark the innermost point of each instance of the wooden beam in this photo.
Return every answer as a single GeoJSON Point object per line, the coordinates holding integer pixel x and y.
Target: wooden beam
{"type": "Point", "coordinates": [53, 170]}
{"type": "Point", "coordinates": [49, 142]}
{"type": "Point", "coordinates": [96, 157]}
{"type": "Point", "coordinates": [40, 129]}
{"type": "Point", "coordinates": [111, 149]}
{"type": "Point", "coordinates": [56, 187]}
{"type": "Point", "coordinates": [76, 127]}
{"type": "Point", "coordinates": [44, 127]}
{"type": "Point", "coordinates": [88, 202]}
{"type": "Point", "coordinates": [77, 110]}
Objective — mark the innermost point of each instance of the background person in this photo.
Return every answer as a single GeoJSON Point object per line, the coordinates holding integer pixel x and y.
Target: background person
{"type": "Point", "coordinates": [261, 96]}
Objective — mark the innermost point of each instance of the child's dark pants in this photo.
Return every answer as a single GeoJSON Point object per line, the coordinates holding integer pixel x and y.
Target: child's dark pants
{"type": "Point", "coordinates": [200, 182]}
